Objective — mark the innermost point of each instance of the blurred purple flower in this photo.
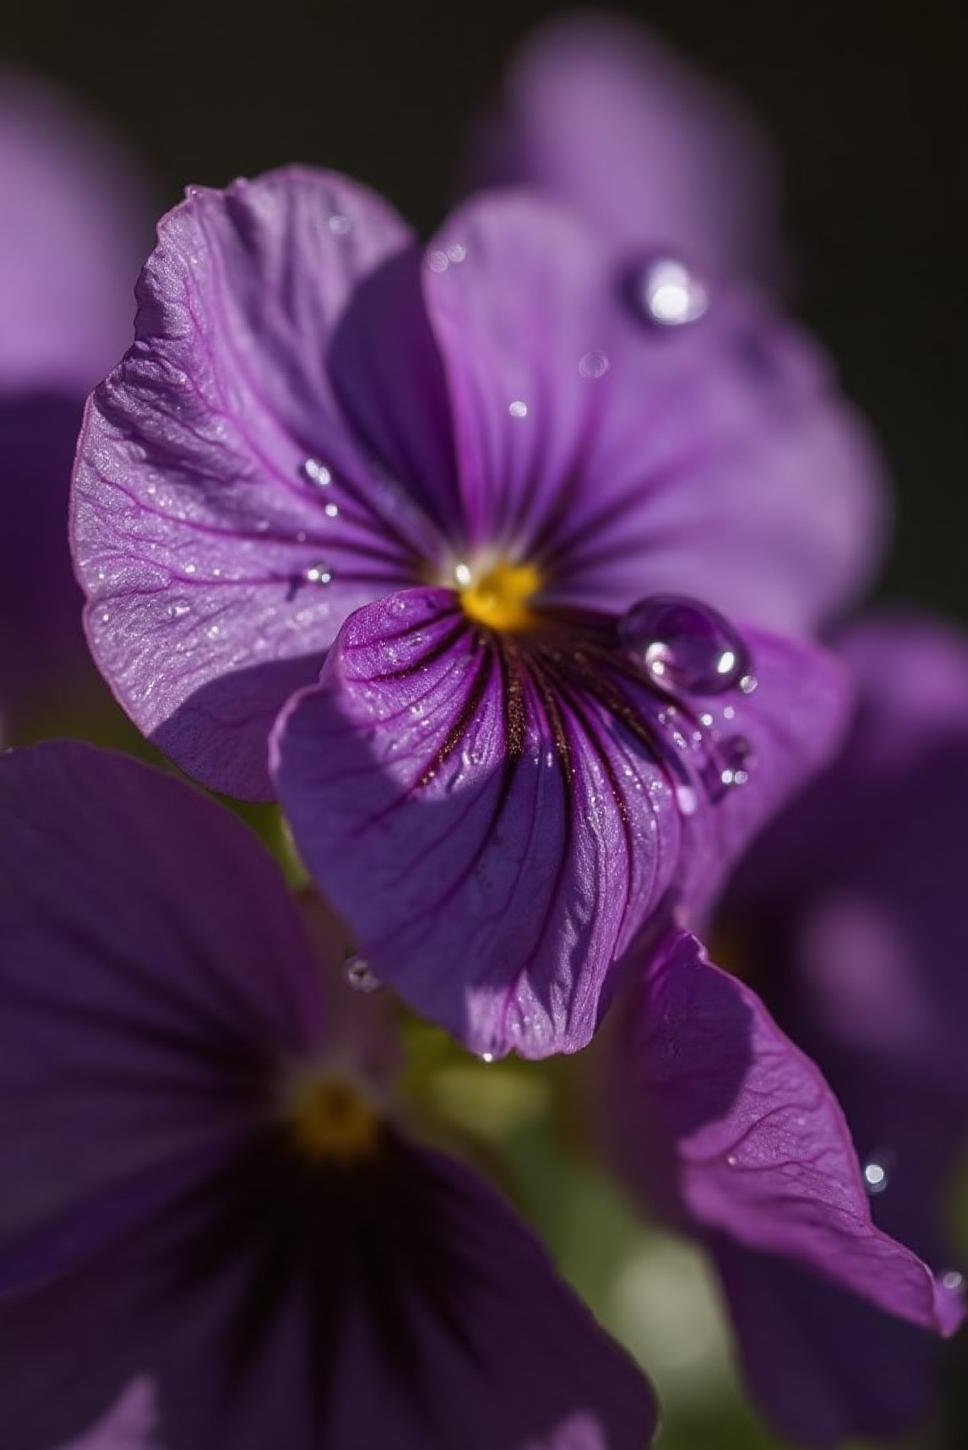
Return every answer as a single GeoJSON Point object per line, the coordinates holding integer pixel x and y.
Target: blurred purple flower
{"type": "Point", "coordinates": [849, 916]}
{"type": "Point", "coordinates": [485, 445]}
{"type": "Point", "coordinates": [74, 227]}
{"type": "Point", "coordinates": [599, 111]}
{"type": "Point", "coordinates": [212, 1231]}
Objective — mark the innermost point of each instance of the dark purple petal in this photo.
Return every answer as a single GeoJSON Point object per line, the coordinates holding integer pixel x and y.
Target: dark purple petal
{"type": "Point", "coordinates": [226, 514]}
{"type": "Point", "coordinates": [152, 974]}
{"type": "Point", "coordinates": [737, 1133]}
{"type": "Point", "coordinates": [822, 1364]}
{"type": "Point", "coordinates": [404, 1305]}
{"type": "Point", "coordinates": [76, 225]}
{"type": "Point", "coordinates": [498, 816]}
{"type": "Point", "coordinates": [602, 114]}
{"type": "Point", "coordinates": [624, 459]}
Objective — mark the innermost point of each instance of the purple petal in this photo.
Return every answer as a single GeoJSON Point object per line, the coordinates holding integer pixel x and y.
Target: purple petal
{"type": "Point", "coordinates": [226, 514]}
{"type": "Point", "coordinates": [625, 459]}
{"type": "Point", "coordinates": [153, 970]}
{"type": "Point", "coordinates": [75, 229]}
{"type": "Point", "coordinates": [871, 918]}
{"type": "Point", "coordinates": [403, 1304]}
{"type": "Point", "coordinates": [822, 1364]}
{"type": "Point", "coordinates": [604, 115]}
{"type": "Point", "coordinates": [495, 819]}
{"type": "Point", "coordinates": [740, 1134]}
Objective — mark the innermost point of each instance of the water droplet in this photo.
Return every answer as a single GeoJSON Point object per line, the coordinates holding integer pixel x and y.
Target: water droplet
{"type": "Point", "coordinates": [686, 800]}
{"type": "Point", "coordinates": [685, 645]}
{"type": "Point", "coordinates": [875, 1177]}
{"type": "Point", "coordinates": [190, 568]}
{"type": "Point", "coordinates": [487, 1057]}
{"type": "Point", "coordinates": [462, 575]}
{"type": "Point", "coordinates": [359, 976]}
{"type": "Point", "coordinates": [457, 253]}
{"type": "Point", "coordinates": [748, 684]}
{"type": "Point", "coordinates": [340, 225]}
{"type": "Point", "coordinates": [953, 1280]}
{"type": "Point", "coordinates": [670, 293]}
{"type": "Point", "coordinates": [731, 1160]}
{"type": "Point", "coordinates": [593, 365]}
{"type": "Point", "coordinates": [317, 473]}
{"type": "Point", "coordinates": [518, 409]}
{"type": "Point", "coordinates": [319, 574]}
{"type": "Point", "coordinates": [178, 609]}
{"type": "Point", "coordinates": [736, 757]}
{"type": "Point", "coordinates": [437, 261]}
{"type": "Point", "coordinates": [331, 510]}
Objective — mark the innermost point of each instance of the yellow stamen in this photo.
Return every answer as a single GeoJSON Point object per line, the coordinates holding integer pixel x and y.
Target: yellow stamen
{"type": "Point", "coordinates": [331, 1118]}
{"type": "Point", "coordinates": [500, 597]}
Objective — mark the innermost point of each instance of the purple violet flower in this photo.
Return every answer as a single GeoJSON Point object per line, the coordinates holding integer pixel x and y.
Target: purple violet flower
{"type": "Point", "coordinates": [855, 932]}
{"type": "Point", "coordinates": [212, 1231]}
{"type": "Point", "coordinates": [603, 113]}
{"type": "Point", "coordinates": [75, 222]}
{"type": "Point", "coordinates": [456, 470]}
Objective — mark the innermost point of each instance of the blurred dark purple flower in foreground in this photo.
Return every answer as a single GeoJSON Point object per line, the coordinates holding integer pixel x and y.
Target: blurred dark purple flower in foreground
{"type": "Point", "coordinates": [599, 112]}
{"type": "Point", "coordinates": [73, 229]}
{"type": "Point", "coordinates": [849, 917]}
{"type": "Point", "coordinates": [211, 1230]}
{"type": "Point", "coordinates": [505, 450]}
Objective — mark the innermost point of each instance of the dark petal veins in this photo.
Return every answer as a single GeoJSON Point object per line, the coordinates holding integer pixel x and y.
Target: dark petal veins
{"type": "Point", "coordinates": [498, 815]}
{"type": "Point", "coordinates": [227, 515]}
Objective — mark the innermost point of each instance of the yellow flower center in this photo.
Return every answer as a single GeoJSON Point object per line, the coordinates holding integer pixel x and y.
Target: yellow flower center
{"type": "Point", "coordinates": [500, 596]}
{"type": "Point", "coordinates": [332, 1118]}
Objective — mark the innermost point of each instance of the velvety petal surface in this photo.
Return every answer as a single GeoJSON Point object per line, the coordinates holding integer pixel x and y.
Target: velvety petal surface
{"type": "Point", "coordinates": [227, 514]}
{"type": "Point", "coordinates": [152, 973]}
{"type": "Point", "coordinates": [76, 227]}
{"type": "Point", "coordinates": [822, 1364]}
{"type": "Point", "coordinates": [402, 1305]}
{"type": "Point", "coordinates": [603, 114]}
{"type": "Point", "coordinates": [736, 1133]}
{"type": "Point", "coordinates": [499, 815]}
{"type": "Point", "coordinates": [624, 458]}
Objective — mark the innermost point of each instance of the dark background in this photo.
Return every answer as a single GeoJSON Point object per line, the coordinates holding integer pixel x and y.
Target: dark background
{"type": "Point", "coordinates": [865, 101]}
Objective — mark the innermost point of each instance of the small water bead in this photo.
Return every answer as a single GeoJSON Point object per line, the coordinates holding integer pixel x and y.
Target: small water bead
{"type": "Point", "coordinates": [438, 261]}
{"type": "Point", "coordinates": [875, 1177]}
{"type": "Point", "coordinates": [670, 293]}
{"type": "Point", "coordinates": [487, 1057]}
{"type": "Point", "coordinates": [331, 510]}
{"type": "Point", "coordinates": [735, 755]}
{"type": "Point", "coordinates": [317, 473]}
{"type": "Point", "coordinates": [954, 1281]}
{"type": "Point", "coordinates": [518, 408]}
{"type": "Point", "coordinates": [340, 225]}
{"type": "Point", "coordinates": [359, 976]}
{"type": "Point", "coordinates": [685, 645]}
{"type": "Point", "coordinates": [318, 574]}
{"type": "Point", "coordinates": [593, 365]}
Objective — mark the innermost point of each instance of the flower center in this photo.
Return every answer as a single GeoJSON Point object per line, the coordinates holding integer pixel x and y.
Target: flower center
{"type": "Point", "coordinates": [331, 1118]}
{"type": "Point", "coordinates": [500, 597]}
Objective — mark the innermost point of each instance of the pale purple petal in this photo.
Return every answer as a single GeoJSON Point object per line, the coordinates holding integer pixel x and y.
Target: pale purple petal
{"type": "Point", "coordinates": [738, 1134]}
{"type": "Point", "coordinates": [226, 514]}
{"type": "Point", "coordinates": [498, 816]}
{"type": "Point", "coordinates": [75, 231]}
{"type": "Point", "coordinates": [603, 114]}
{"type": "Point", "coordinates": [623, 458]}
{"type": "Point", "coordinates": [152, 972]}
